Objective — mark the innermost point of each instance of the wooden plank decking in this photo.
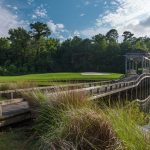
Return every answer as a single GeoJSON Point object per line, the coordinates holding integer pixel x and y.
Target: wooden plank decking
{"type": "Point", "coordinates": [15, 111]}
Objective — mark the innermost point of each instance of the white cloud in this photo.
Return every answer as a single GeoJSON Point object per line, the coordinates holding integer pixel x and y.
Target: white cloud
{"type": "Point", "coordinates": [81, 15]}
{"type": "Point", "coordinates": [58, 30]}
{"type": "Point", "coordinates": [9, 20]}
{"type": "Point", "coordinates": [87, 3]}
{"type": "Point", "coordinates": [40, 11]}
{"type": "Point", "coordinates": [89, 32]}
{"type": "Point", "coordinates": [146, 22]}
{"type": "Point", "coordinates": [76, 33]}
{"type": "Point", "coordinates": [30, 2]}
{"type": "Point", "coordinates": [15, 8]}
{"type": "Point", "coordinates": [9, 6]}
{"type": "Point", "coordinates": [12, 7]}
{"type": "Point", "coordinates": [34, 16]}
{"type": "Point", "coordinates": [105, 3]}
{"type": "Point", "coordinates": [95, 5]}
{"type": "Point", "coordinates": [128, 15]}
{"type": "Point", "coordinates": [55, 27]}
{"type": "Point", "coordinates": [60, 26]}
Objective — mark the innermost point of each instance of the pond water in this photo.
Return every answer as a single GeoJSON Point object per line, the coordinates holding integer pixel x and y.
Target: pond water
{"type": "Point", "coordinates": [146, 128]}
{"type": "Point", "coordinates": [94, 73]}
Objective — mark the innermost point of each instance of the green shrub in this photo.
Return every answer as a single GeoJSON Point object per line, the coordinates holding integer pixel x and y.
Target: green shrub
{"type": "Point", "coordinates": [12, 70]}
{"type": "Point", "coordinates": [69, 121]}
{"type": "Point", "coordinates": [3, 71]}
{"type": "Point", "coordinates": [125, 122]}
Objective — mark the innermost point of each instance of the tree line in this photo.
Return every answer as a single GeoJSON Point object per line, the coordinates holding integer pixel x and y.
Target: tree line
{"type": "Point", "coordinates": [35, 51]}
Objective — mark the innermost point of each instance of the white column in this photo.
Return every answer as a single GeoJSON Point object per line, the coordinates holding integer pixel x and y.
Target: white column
{"type": "Point", "coordinates": [129, 65]}
{"type": "Point", "coordinates": [132, 65]}
{"type": "Point", "coordinates": [149, 66]}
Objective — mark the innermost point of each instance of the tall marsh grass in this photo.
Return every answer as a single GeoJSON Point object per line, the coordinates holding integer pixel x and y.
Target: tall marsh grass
{"type": "Point", "coordinates": [17, 85]}
{"type": "Point", "coordinates": [69, 121]}
{"type": "Point", "coordinates": [126, 123]}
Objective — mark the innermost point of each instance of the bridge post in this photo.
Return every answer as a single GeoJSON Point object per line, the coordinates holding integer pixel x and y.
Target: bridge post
{"type": "Point", "coordinates": [119, 96]}
{"type": "Point", "coordinates": [136, 92]}
{"type": "Point", "coordinates": [12, 96]}
{"type": "Point", "coordinates": [146, 87]}
{"type": "Point", "coordinates": [141, 90]}
{"type": "Point", "coordinates": [1, 112]}
{"type": "Point", "coordinates": [131, 94]}
{"type": "Point", "coordinates": [109, 100]}
{"type": "Point", "coordinates": [149, 66]}
{"type": "Point", "coordinates": [142, 64]}
{"type": "Point", "coordinates": [126, 95]}
{"type": "Point", "coordinates": [46, 91]}
{"type": "Point", "coordinates": [106, 89]}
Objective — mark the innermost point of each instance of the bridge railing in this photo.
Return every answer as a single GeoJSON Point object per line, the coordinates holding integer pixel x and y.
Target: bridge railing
{"type": "Point", "coordinates": [116, 87]}
{"type": "Point", "coordinates": [11, 93]}
{"type": "Point", "coordinates": [96, 88]}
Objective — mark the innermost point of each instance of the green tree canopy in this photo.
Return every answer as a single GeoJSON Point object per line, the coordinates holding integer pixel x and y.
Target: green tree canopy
{"type": "Point", "coordinates": [112, 35]}
{"type": "Point", "coordinates": [39, 30]}
{"type": "Point", "coordinates": [127, 35]}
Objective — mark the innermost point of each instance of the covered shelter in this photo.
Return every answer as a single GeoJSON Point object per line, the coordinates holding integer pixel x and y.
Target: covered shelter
{"type": "Point", "coordinates": [137, 63]}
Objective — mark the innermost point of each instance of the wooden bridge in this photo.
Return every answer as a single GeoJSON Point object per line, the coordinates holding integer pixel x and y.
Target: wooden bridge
{"type": "Point", "coordinates": [137, 87]}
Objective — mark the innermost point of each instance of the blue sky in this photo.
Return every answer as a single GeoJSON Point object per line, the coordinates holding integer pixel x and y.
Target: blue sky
{"type": "Point", "coordinates": [84, 18]}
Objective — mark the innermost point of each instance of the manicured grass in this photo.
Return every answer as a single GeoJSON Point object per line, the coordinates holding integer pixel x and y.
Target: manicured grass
{"type": "Point", "coordinates": [41, 78]}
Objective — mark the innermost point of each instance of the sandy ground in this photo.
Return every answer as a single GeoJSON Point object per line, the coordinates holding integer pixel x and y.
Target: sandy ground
{"type": "Point", "coordinates": [94, 73]}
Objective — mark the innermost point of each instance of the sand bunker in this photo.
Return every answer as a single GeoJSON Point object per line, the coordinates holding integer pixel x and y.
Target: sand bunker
{"type": "Point", "coordinates": [94, 73]}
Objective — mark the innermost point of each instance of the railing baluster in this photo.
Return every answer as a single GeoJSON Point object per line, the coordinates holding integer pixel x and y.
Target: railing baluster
{"type": "Point", "coordinates": [1, 111]}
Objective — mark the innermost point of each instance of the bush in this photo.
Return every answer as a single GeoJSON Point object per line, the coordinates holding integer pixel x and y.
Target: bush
{"type": "Point", "coordinates": [3, 71]}
{"type": "Point", "coordinates": [126, 123]}
{"type": "Point", "coordinates": [69, 121]}
{"type": "Point", "coordinates": [12, 70]}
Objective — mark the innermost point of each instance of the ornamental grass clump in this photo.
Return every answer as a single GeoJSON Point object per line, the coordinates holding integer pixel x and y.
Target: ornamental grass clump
{"type": "Point", "coordinates": [89, 129]}
{"type": "Point", "coordinates": [126, 122]}
{"type": "Point", "coordinates": [70, 121]}
{"type": "Point", "coordinates": [75, 129]}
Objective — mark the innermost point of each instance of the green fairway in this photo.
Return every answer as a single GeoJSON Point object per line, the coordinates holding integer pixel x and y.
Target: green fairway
{"type": "Point", "coordinates": [49, 77]}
